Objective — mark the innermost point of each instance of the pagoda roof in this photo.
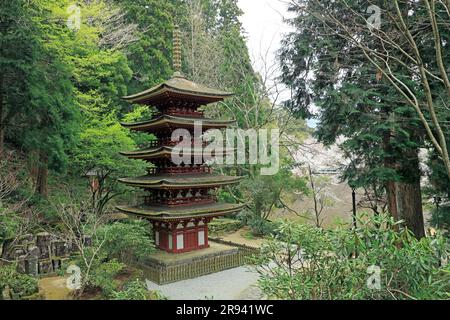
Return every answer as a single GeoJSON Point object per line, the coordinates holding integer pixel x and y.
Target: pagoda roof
{"type": "Point", "coordinates": [166, 213]}
{"type": "Point", "coordinates": [167, 181]}
{"type": "Point", "coordinates": [178, 88]}
{"type": "Point", "coordinates": [168, 120]}
{"type": "Point", "coordinates": [166, 152]}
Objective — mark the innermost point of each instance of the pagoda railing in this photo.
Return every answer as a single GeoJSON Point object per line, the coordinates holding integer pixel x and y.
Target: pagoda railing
{"type": "Point", "coordinates": [193, 142]}
{"type": "Point", "coordinates": [170, 143]}
{"type": "Point", "coordinates": [178, 111]}
{"type": "Point", "coordinates": [181, 201]}
{"type": "Point", "coordinates": [180, 170]}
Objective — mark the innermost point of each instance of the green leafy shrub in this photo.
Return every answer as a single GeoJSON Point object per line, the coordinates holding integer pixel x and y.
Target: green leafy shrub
{"type": "Point", "coordinates": [99, 276]}
{"type": "Point", "coordinates": [133, 290]}
{"type": "Point", "coordinates": [224, 225]}
{"type": "Point", "coordinates": [102, 276]}
{"type": "Point", "coordinates": [259, 226]}
{"type": "Point", "coordinates": [21, 286]}
{"type": "Point", "coordinates": [262, 227]}
{"type": "Point", "coordinates": [305, 262]}
{"type": "Point", "coordinates": [114, 245]}
{"type": "Point", "coordinates": [9, 224]}
{"type": "Point", "coordinates": [127, 241]}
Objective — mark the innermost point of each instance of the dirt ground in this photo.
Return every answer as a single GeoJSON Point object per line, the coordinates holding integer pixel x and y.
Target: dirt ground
{"type": "Point", "coordinates": [54, 288]}
{"type": "Point", "coordinates": [241, 237]}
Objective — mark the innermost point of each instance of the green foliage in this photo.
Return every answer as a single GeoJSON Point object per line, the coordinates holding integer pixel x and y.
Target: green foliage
{"type": "Point", "coordinates": [259, 225]}
{"type": "Point", "coordinates": [20, 285]}
{"type": "Point", "coordinates": [224, 225]}
{"type": "Point", "coordinates": [127, 241]}
{"type": "Point", "coordinates": [100, 144]}
{"type": "Point", "coordinates": [103, 74]}
{"type": "Point", "coordinates": [140, 113]}
{"type": "Point", "coordinates": [236, 65]}
{"type": "Point", "coordinates": [304, 262]}
{"type": "Point", "coordinates": [102, 275]}
{"type": "Point", "coordinates": [150, 56]}
{"type": "Point", "coordinates": [37, 105]}
{"type": "Point", "coordinates": [9, 224]}
{"type": "Point", "coordinates": [133, 290]}
{"type": "Point", "coordinates": [100, 77]}
{"type": "Point", "coordinates": [98, 271]}
{"type": "Point", "coordinates": [113, 246]}
{"type": "Point", "coordinates": [263, 194]}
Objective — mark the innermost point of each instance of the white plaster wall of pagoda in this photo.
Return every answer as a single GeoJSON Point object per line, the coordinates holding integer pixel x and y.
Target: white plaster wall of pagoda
{"type": "Point", "coordinates": [201, 238]}
{"type": "Point", "coordinates": [157, 238]}
{"type": "Point", "coordinates": [170, 241]}
{"type": "Point", "coordinates": [180, 241]}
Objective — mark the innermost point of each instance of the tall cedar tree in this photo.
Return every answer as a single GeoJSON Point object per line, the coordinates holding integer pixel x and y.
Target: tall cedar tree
{"type": "Point", "coordinates": [37, 109]}
{"type": "Point", "coordinates": [382, 134]}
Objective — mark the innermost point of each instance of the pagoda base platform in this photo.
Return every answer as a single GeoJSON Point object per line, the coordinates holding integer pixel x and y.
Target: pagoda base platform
{"type": "Point", "coordinates": [163, 267]}
{"type": "Point", "coordinates": [181, 229]}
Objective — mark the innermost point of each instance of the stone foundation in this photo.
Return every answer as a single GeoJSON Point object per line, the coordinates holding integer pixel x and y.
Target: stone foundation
{"type": "Point", "coordinates": [163, 267]}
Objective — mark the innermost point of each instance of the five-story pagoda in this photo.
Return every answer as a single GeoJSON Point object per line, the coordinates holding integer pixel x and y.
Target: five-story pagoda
{"type": "Point", "coordinates": [179, 198]}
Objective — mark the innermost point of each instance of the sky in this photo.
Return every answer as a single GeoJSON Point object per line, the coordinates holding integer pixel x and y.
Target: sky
{"type": "Point", "coordinates": [264, 26]}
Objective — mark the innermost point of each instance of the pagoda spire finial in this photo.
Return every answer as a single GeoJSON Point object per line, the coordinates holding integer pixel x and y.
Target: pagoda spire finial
{"type": "Point", "coordinates": [177, 51]}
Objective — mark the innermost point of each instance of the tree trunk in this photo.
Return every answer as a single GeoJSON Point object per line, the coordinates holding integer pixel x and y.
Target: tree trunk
{"type": "Point", "coordinates": [409, 194]}
{"type": "Point", "coordinates": [2, 139]}
{"type": "Point", "coordinates": [42, 175]}
{"type": "Point", "coordinates": [2, 116]}
{"type": "Point", "coordinates": [409, 203]}
{"type": "Point", "coordinates": [405, 198]}
{"type": "Point", "coordinates": [390, 187]}
{"type": "Point", "coordinates": [34, 166]}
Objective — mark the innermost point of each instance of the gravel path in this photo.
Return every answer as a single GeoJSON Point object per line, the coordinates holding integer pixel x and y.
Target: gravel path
{"type": "Point", "coordinates": [233, 284]}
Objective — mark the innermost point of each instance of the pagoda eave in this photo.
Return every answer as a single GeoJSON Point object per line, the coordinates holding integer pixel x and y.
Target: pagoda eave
{"type": "Point", "coordinates": [178, 88]}
{"type": "Point", "coordinates": [166, 152]}
{"type": "Point", "coordinates": [181, 181]}
{"type": "Point", "coordinates": [176, 214]}
{"type": "Point", "coordinates": [169, 122]}
{"type": "Point", "coordinates": [173, 95]}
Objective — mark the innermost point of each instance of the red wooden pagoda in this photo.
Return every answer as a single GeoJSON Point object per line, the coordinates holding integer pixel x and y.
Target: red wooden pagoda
{"type": "Point", "coordinates": [179, 199]}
